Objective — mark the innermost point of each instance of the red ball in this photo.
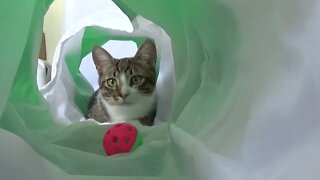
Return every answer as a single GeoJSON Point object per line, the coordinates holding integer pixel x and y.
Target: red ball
{"type": "Point", "coordinates": [120, 138]}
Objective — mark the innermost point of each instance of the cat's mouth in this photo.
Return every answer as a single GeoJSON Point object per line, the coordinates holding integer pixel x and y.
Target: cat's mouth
{"type": "Point", "coordinates": [122, 101]}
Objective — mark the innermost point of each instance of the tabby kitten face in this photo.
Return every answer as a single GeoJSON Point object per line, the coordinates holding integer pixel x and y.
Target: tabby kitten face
{"type": "Point", "coordinates": [127, 80]}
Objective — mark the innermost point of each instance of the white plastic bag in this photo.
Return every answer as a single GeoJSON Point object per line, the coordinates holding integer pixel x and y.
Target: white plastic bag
{"type": "Point", "coordinates": [60, 91]}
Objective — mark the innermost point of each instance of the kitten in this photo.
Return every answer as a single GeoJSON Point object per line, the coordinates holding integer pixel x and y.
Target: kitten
{"type": "Point", "coordinates": [126, 86]}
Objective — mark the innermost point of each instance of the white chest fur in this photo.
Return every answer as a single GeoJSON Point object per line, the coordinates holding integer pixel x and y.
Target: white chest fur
{"type": "Point", "coordinates": [142, 107]}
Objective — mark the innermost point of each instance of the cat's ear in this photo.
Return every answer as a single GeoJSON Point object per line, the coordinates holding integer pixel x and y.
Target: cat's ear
{"type": "Point", "coordinates": [101, 58]}
{"type": "Point", "coordinates": [147, 53]}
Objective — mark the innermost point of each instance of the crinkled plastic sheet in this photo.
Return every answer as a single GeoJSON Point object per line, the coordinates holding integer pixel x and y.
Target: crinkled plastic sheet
{"type": "Point", "coordinates": [246, 102]}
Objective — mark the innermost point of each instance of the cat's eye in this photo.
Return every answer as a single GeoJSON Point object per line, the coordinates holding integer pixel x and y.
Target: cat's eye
{"type": "Point", "coordinates": [111, 82]}
{"type": "Point", "coordinates": [136, 80]}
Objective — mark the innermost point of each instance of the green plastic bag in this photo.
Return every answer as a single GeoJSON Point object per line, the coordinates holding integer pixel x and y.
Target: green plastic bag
{"type": "Point", "coordinates": [245, 103]}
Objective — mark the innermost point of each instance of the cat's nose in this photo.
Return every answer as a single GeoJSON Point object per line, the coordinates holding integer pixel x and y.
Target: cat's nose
{"type": "Point", "coordinates": [124, 95]}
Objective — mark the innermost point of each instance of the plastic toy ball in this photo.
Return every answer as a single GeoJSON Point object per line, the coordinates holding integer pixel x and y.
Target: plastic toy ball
{"type": "Point", "coordinates": [121, 138]}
